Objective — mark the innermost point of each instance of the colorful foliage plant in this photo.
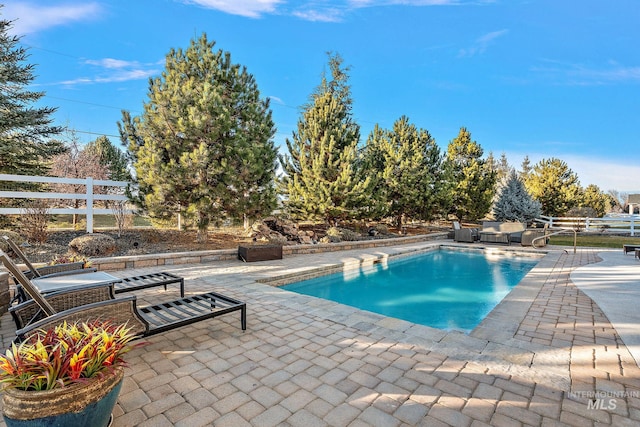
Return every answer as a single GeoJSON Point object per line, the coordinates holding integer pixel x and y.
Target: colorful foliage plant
{"type": "Point", "coordinates": [66, 259]}
{"type": "Point", "coordinates": [67, 354]}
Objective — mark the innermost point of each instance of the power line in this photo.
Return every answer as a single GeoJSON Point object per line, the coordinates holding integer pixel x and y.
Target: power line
{"type": "Point", "coordinates": [87, 103]}
{"type": "Point", "coordinates": [94, 133]}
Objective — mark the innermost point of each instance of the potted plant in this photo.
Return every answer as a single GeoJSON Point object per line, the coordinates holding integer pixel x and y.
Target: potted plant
{"type": "Point", "coordinates": [66, 376]}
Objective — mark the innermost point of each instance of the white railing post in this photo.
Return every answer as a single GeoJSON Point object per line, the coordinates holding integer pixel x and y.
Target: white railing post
{"type": "Point", "coordinates": [89, 204]}
{"type": "Point", "coordinates": [632, 226]}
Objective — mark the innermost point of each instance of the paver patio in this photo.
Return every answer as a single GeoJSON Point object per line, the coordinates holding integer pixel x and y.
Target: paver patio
{"type": "Point", "coordinates": [546, 356]}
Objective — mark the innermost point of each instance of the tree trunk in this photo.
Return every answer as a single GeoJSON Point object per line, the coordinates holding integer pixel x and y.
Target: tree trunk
{"type": "Point", "coordinates": [399, 221]}
{"type": "Point", "coordinates": [203, 225]}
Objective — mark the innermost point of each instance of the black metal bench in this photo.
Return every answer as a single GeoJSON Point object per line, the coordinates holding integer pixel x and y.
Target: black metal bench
{"type": "Point", "coordinates": [145, 281]}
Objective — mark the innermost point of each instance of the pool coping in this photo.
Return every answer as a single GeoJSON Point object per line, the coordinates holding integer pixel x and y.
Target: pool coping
{"type": "Point", "coordinates": [492, 342]}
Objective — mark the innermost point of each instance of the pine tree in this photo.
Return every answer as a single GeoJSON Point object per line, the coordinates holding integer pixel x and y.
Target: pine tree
{"type": "Point", "coordinates": [111, 157]}
{"type": "Point", "coordinates": [525, 169]}
{"type": "Point", "coordinates": [203, 145]}
{"type": "Point", "coordinates": [321, 180]}
{"type": "Point", "coordinates": [515, 203]}
{"type": "Point", "coordinates": [24, 147]}
{"type": "Point", "coordinates": [599, 201]}
{"type": "Point", "coordinates": [408, 171]}
{"type": "Point", "coordinates": [473, 180]}
{"type": "Point", "coordinates": [555, 186]}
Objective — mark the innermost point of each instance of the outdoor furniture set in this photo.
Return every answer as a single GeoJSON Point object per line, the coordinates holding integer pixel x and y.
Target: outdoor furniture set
{"type": "Point", "coordinates": [77, 295]}
{"type": "Point", "coordinates": [501, 232]}
{"type": "Point", "coordinates": [53, 277]}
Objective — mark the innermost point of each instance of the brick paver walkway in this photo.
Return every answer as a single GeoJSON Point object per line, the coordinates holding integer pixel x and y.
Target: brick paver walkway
{"type": "Point", "coordinates": [546, 356]}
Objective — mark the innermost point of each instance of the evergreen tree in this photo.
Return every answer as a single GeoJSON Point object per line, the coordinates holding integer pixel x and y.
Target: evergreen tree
{"type": "Point", "coordinates": [321, 180]}
{"type": "Point", "coordinates": [503, 169]}
{"type": "Point", "coordinates": [473, 180]}
{"type": "Point", "coordinates": [555, 186]}
{"type": "Point", "coordinates": [515, 203]}
{"type": "Point", "coordinates": [408, 170]}
{"type": "Point", "coordinates": [24, 129]}
{"type": "Point", "coordinates": [110, 157]}
{"type": "Point", "coordinates": [525, 169]}
{"type": "Point", "coordinates": [203, 145]}
{"type": "Point", "coordinates": [594, 198]}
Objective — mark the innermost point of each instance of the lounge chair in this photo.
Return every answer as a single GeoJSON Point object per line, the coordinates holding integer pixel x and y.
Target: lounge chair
{"type": "Point", "coordinates": [467, 235]}
{"type": "Point", "coordinates": [97, 301]}
{"type": "Point", "coordinates": [126, 284]}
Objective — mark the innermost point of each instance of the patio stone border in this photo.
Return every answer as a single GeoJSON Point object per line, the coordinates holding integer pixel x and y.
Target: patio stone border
{"type": "Point", "coordinates": [198, 257]}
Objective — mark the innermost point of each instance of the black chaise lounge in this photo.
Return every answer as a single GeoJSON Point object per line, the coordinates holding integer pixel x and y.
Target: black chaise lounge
{"type": "Point", "coordinates": [98, 301]}
{"type": "Point", "coordinates": [127, 284]}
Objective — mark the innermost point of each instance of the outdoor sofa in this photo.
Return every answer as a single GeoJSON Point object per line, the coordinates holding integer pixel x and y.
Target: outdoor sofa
{"type": "Point", "coordinates": [501, 232]}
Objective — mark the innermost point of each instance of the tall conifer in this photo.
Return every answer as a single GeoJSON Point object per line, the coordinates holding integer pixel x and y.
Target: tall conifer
{"type": "Point", "coordinates": [320, 179]}
{"type": "Point", "coordinates": [203, 145]}
{"type": "Point", "coordinates": [408, 169]}
{"type": "Point", "coordinates": [473, 179]}
{"type": "Point", "coordinates": [514, 202]}
{"type": "Point", "coordinates": [24, 130]}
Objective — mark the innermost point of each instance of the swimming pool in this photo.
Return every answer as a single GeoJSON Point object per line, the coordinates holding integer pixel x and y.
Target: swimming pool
{"type": "Point", "coordinates": [446, 289]}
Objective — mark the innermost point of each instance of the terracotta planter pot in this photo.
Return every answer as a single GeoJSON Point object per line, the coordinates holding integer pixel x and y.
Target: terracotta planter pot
{"type": "Point", "coordinates": [87, 404]}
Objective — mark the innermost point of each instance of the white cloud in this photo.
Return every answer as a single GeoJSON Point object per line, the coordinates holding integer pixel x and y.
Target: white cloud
{"type": "Point", "coordinates": [112, 70]}
{"type": "Point", "coordinates": [320, 15]}
{"type": "Point", "coordinates": [588, 75]}
{"type": "Point", "coordinates": [319, 11]}
{"type": "Point", "coordinates": [276, 99]}
{"type": "Point", "coordinates": [248, 8]}
{"type": "Point", "coordinates": [481, 44]}
{"type": "Point", "coordinates": [373, 3]}
{"type": "Point", "coordinates": [112, 63]}
{"type": "Point", "coordinates": [31, 18]}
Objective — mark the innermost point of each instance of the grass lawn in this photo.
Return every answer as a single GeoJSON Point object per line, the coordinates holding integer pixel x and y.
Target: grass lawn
{"type": "Point", "coordinates": [598, 241]}
{"type": "Point", "coordinates": [99, 221]}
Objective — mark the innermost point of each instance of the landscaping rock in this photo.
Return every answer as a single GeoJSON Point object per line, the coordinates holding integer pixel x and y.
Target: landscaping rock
{"type": "Point", "coordinates": [277, 230]}
{"type": "Point", "coordinates": [93, 245]}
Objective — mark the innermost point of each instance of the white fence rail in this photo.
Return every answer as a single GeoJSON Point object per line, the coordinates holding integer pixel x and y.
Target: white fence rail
{"type": "Point", "coordinates": [619, 224]}
{"type": "Point", "coordinates": [88, 196]}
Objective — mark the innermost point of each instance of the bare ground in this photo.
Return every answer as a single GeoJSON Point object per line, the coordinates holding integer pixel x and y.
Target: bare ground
{"type": "Point", "coordinates": [138, 242]}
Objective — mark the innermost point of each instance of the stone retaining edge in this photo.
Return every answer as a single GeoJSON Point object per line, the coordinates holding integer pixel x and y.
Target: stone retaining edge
{"type": "Point", "coordinates": [199, 257]}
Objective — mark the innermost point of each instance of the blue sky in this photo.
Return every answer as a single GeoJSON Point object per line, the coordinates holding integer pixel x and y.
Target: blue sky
{"type": "Point", "coordinates": [543, 78]}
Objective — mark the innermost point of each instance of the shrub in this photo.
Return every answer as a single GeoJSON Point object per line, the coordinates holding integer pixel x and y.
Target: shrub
{"type": "Point", "coordinates": [15, 237]}
{"type": "Point", "coordinates": [93, 245]}
{"type": "Point", "coordinates": [35, 220]}
{"type": "Point", "coordinates": [344, 234]}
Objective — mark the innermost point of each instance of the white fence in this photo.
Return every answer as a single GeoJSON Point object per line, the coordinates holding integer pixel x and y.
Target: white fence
{"type": "Point", "coordinates": [618, 224]}
{"type": "Point", "coordinates": [88, 196]}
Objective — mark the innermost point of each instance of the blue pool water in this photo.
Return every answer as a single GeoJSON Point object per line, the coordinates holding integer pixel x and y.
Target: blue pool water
{"type": "Point", "coordinates": [443, 289]}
